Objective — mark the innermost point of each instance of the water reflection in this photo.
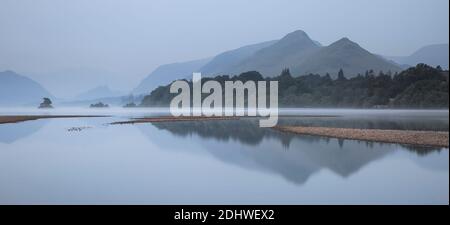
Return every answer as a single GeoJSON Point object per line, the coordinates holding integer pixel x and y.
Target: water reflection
{"type": "Point", "coordinates": [247, 131]}
{"type": "Point", "coordinates": [210, 162]}
{"type": "Point", "coordinates": [296, 158]}
{"type": "Point", "coordinates": [11, 132]}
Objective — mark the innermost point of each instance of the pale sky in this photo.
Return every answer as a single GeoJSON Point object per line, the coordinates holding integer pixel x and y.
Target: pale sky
{"type": "Point", "coordinates": [127, 39]}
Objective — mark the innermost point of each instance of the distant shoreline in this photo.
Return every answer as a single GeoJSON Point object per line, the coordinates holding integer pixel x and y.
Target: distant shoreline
{"type": "Point", "coordinates": [411, 137]}
{"type": "Point", "coordinates": [203, 118]}
{"type": "Point", "coordinates": [17, 119]}
{"type": "Point", "coordinates": [172, 119]}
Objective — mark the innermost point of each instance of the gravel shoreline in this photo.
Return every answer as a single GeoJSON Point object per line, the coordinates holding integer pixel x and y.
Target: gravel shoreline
{"type": "Point", "coordinates": [17, 119]}
{"type": "Point", "coordinates": [423, 138]}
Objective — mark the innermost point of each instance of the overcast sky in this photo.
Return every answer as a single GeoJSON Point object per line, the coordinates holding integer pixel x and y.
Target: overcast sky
{"type": "Point", "coordinates": [130, 38]}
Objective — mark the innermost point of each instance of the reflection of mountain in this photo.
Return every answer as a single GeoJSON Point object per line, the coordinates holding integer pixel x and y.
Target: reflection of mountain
{"type": "Point", "coordinates": [435, 161]}
{"type": "Point", "coordinates": [244, 144]}
{"type": "Point", "coordinates": [381, 122]}
{"type": "Point", "coordinates": [12, 132]}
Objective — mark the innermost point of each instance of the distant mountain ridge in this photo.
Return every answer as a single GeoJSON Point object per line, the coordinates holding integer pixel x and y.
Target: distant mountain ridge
{"type": "Point", "coordinates": [98, 92]}
{"type": "Point", "coordinates": [434, 55]}
{"type": "Point", "coordinates": [19, 90]}
{"type": "Point", "coordinates": [165, 74]}
{"type": "Point", "coordinates": [295, 50]}
{"type": "Point", "coordinates": [285, 53]}
{"type": "Point", "coordinates": [67, 83]}
{"type": "Point", "coordinates": [228, 60]}
{"type": "Point", "coordinates": [343, 54]}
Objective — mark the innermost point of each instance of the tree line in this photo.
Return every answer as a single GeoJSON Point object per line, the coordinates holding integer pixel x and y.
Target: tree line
{"type": "Point", "coordinates": [421, 86]}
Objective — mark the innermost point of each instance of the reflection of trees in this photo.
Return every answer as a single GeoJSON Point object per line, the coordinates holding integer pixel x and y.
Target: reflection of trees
{"type": "Point", "coordinates": [422, 150]}
{"type": "Point", "coordinates": [295, 157]}
{"type": "Point", "coordinates": [247, 131]}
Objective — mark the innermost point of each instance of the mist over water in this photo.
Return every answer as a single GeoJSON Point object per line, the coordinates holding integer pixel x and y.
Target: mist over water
{"type": "Point", "coordinates": [218, 162]}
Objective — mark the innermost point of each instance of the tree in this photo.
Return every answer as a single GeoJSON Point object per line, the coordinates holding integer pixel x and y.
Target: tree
{"type": "Point", "coordinates": [46, 103]}
{"type": "Point", "coordinates": [286, 72]}
{"type": "Point", "coordinates": [341, 75]}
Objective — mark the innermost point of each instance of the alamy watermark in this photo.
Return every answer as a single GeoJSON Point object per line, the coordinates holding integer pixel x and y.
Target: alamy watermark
{"type": "Point", "coordinates": [234, 99]}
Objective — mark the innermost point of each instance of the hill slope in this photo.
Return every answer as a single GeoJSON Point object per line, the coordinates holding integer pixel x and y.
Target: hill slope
{"type": "Point", "coordinates": [432, 55]}
{"type": "Point", "coordinates": [227, 61]}
{"type": "Point", "coordinates": [98, 92]}
{"type": "Point", "coordinates": [18, 90]}
{"type": "Point", "coordinates": [286, 53]}
{"type": "Point", "coordinates": [343, 54]}
{"type": "Point", "coordinates": [167, 73]}
{"type": "Point", "coordinates": [221, 63]}
{"type": "Point", "coordinates": [296, 51]}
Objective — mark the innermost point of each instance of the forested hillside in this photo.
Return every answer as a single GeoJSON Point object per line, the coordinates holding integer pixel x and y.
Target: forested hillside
{"type": "Point", "coordinates": [417, 87]}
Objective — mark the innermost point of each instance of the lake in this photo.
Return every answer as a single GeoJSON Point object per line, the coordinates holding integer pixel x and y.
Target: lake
{"type": "Point", "coordinates": [218, 162]}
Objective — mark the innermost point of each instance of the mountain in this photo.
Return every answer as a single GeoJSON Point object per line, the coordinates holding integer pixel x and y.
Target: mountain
{"type": "Point", "coordinates": [296, 51]}
{"type": "Point", "coordinates": [219, 64]}
{"type": "Point", "coordinates": [79, 79]}
{"type": "Point", "coordinates": [285, 53]}
{"type": "Point", "coordinates": [343, 54]}
{"type": "Point", "coordinates": [167, 73]}
{"type": "Point", "coordinates": [417, 87]}
{"type": "Point", "coordinates": [432, 55]}
{"type": "Point", "coordinates": [18, 90]}
{"type": "Point", "coordinates": [98, 92]}
{"type": "Point", "coordinates": [230, 59]}
{"type": "Point", "coordinates": [302, 55]}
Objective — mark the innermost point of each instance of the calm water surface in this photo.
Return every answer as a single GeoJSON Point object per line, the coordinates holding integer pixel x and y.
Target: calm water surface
{"type": "Point", "coordinates": [218, 162]}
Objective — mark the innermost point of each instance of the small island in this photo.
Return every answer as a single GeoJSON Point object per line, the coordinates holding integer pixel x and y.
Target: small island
{"type": "Point", "coordinates": [130, 105]}
{"type": "Point", "coordinates": [46, 104]}
{"type": "Point", "coordinates": [99, 105]}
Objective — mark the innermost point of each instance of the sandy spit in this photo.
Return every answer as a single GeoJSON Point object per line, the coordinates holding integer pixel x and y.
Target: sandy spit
{"type": "Point", "coordinates": [411, 137]}
{"type": "Point", "coordinates": [16, 119]}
